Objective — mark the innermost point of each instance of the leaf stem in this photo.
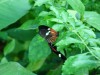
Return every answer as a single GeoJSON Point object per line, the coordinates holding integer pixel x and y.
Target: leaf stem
{"type": "Point", "coordinates": [86, 45]}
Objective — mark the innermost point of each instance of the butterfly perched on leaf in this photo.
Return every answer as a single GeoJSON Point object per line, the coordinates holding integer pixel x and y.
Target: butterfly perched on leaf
{"type": "Point", "coordinates": [50, 36]}
{"type": "Point", "coordinates": [48, 33]}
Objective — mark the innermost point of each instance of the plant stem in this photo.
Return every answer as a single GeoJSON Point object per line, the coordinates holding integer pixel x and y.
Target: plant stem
{"type": "Point", "coordinates": [86, 46]}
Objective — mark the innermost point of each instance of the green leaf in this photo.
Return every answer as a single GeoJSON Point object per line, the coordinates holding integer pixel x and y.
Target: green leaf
{"type": "Point", "coordinates": [20, 33]}
{"type": "Point", "coordinates": [58, 27]}
{"type": "Point", "coordinates": [56, 20]}
{"type": "Point", "coordinates": [67, 41]}
{"type": "Point", "coordinates": [38, 52]}
{"type": "Point", "coordinates": [12, 10]}
{"type": "Point", "coordinates": [93, 42]}
{"type": "Point", "coordinates": [55, 10]}
{"type": "Point", "coordinates": [72, 23]}
{"type": "Point", "coordinates": [4, 60]}
{"type": "Point", "coordinates": [90, 33]}
{"type": "Point", "coordinates": [56, 71]}
{"type": "Point", "coordinates": [38, 49]}
{"type": "Point", "coordinates": [77, 5]}
{"type": "Point", "coordinates": [13, 68]}
{"type": "Point", "coordinates": [40, 2]}
{"type": "Point", "coordinates": [96, 51]}
{"type": "Point", "coordinates": [3, 35]}
{"type": "Point", "coordinates": [44, 13]}
{"type": "Point", "coordinates": [64, 16]}
{"type": "Point", "coordinates": [9, 47]}
{"type": "Point", "coordinates": [97, 34]}
{"type": "Point", "coordinates": [93, 19]}
{"type": "Point", "coordinates": [72, 13]}
{"type": "Point", "coordinates": [62, 44]}
{"type": "Point", "coordinates": [79, 65]}
{"type": "Point", "coordinates": [28, 25]}
{"type": "Point", "coordinates": [85, 32]}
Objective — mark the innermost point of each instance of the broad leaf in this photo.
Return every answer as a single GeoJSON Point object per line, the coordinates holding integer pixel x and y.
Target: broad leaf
{"type": "Point", "coordinates": [67, 41]}
{"type": "Point", "coordinates": [93, 19]}
{"type": "Point", "coordinates": [77, 5]}
{"type": "Point", "coordinates": [3, 35]}
{"type": "Point", "coordinates": [79, 65]}
{"type": "Point", "coordinates": [12, 10]}
{"type": "Point", "coordinates": [21, 34]}
{"type": "Point", "coordinates": [38, 52]}
{"type": "Point", "coordinates": [13, 68]}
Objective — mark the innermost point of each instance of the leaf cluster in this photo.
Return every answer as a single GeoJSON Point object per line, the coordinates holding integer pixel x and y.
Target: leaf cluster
{"type": "Point", "coordinates": [22, 48]}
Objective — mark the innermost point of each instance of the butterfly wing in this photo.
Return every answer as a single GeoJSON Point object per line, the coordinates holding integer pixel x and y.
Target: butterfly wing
{"type": "Point", "coordinates": [48, 33]}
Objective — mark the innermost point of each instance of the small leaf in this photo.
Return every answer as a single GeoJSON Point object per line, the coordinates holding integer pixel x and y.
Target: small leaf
{"type": "Point", "coordinates": [13, 68]}
{"type": "Point", "coordinates": [9, 47]}
{"type": "Point", "coordinates": [77, 5]}
{"type": "Point", "coordinates": [40, 2]}
{"type": "Point", "coordinates": [56, 20]}
{"type": "Point", "coordinates": [58, 27]}
{"type": "Point", "coordinates": [44, 13]}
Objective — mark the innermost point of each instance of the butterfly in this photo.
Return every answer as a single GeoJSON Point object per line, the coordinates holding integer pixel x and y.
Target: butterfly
{"type": "Point", "coordinates": [50, 36]}
{"type": "Point", "coordinates": [48, 33]}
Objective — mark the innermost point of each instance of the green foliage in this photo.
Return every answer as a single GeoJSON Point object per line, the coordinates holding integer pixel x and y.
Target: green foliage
{"type": "Point", "coordinates": [77, 5]}
{"type": "Point", "coordinates": [79, 64]}
{"type": "Point", "coordinates": [37, 55]}
{"type": "Point", "coordinates": [92, 19]}
{"type": "Point", "coordinates": [11, 11]}
{"type": "Point", "coordinates": [9, 47]}
{"type": "Point", "coordinates": [79, 36]}
{"type": "Point", "coordinates": [14, 69]}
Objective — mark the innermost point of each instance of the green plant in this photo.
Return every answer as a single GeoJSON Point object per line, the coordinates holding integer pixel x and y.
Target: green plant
{"type": "Point", "coordinates": [20, 44]}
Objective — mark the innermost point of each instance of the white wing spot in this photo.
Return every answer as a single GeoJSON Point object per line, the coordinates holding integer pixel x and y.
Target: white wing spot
{"type": "Point", "coordinates": [59, 55]}
{"type": "Point", "coordinates": [48, 28]}
{"type": "Point", "coordinates": [47, 33]}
